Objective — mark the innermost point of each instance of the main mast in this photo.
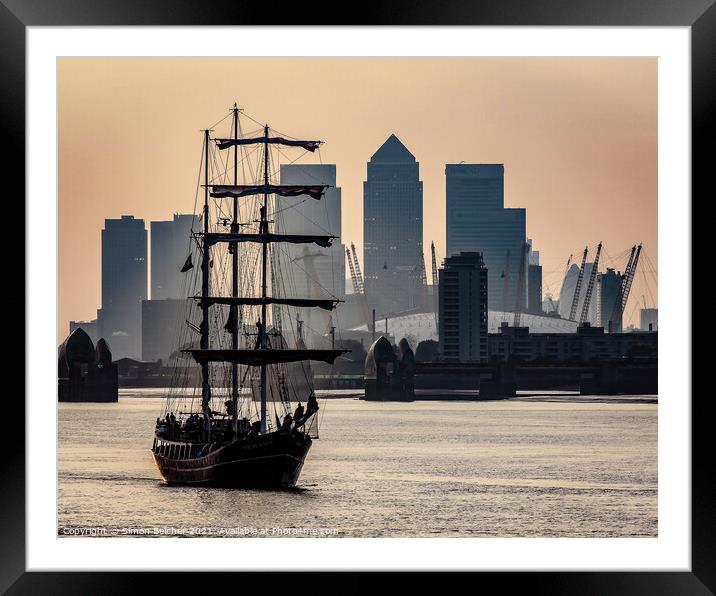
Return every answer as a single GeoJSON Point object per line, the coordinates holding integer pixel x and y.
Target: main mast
{"type": "Point", "coordinates": [264, 255]}
{"type": "Point", "coordinates": [233, 316]}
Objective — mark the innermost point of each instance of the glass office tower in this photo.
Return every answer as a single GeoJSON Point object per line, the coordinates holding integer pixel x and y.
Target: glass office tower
{"type": "Point", "coordinates": [477, 221]}
{"type": "Point", "coordinates": [393, 229]}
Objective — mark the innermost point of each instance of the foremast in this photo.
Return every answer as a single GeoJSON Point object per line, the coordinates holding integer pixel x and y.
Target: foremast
{"type": "Point", "coordinates": [263, 229]}
{"type": "Point", "coordinates": [263, 355]}
{"type": "Point", "coordinates": [204, 328]}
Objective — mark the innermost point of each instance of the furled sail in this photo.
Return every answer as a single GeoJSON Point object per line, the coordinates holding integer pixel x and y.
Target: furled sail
{"type": "Point", "coordinates": [263, 357]}
{"type": "Point", "coordinates": [326, 304]}
{"type": "Point", "coordinates": [307, 145]}
{"type": "Point", "coordinates": [222, 191]}
{"type": "Point", "coordinates": [323, 241]}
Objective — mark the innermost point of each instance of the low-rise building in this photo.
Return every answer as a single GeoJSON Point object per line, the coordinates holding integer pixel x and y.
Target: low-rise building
{"type": "Point", "coordinates": [587, 344]}
{"type": "Point", "coordinates": [649, 319]}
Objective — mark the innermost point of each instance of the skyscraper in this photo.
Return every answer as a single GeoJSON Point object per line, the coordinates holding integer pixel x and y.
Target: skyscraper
{"type": "Point", "coordinates": [463, 289]}
{"type": "Point", "coordinates": [124, 284]}
{"type": "Point", "coordinates": [477, 221]}
{"type": "Point", "coordinates": [534, 281]}
{"type": "Point", "coordinates": [162, 323]}
{"type": "Point", "coordinates": [534, 289]}
{"type": "Point", "coordinates": [171, 243]}
{"type": "Point", "coordinates": [392, 229]}
{"type": "Point", "coordinates": [316, 272]}
{"type": "Point", "coordinates": [611, 316]}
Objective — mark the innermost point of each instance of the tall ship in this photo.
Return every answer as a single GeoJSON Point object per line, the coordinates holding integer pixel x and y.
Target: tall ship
{"type": "Point", "coordinates": [254, 418]}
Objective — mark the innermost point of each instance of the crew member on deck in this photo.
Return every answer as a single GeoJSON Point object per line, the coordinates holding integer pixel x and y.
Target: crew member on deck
{"type": "Point", "coordinates": [287, 422]}
{"type": "Point", "coordinates": [312, 403]}
{"type": "Point", "coordinates": [298, 414]}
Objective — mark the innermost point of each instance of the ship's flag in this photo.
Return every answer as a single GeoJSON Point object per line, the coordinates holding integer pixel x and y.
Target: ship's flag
{"type": "Point", "coordinates": [187, 265]}
{"type": "Point", "coordinates": [229, 326]}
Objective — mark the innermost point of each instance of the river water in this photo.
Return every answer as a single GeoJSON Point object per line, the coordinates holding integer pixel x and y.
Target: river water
{"type": "Point", "coordinates": [546, 465]}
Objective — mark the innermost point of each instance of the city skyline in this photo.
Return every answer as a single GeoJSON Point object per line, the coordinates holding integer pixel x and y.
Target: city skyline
{"type": "Point", "coordinates": [562, 128]}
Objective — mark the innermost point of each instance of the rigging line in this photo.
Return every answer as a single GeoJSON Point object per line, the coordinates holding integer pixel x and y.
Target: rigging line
{"type": "Point", "coordinates": [230, 168]}
{"type": "Point", "coordinates": [220, 121]}
{"type": "Point", "coordinates": [295, 338]}
{"type": "Point", "coordinates": [648, 289]}
{"type": "Point", "coordinates": [196, 193]}
{"type": "Point", "coordinates": [278, 211]}
{"type": "Point", "coordinates": [212, 155]}
{"type": "Point", "coordinates": [283, 134]}
{"type": "Point", "coordinates": [291, 162]}
{"type": "Point", "coordinates": [631, 317]}
{"type": "Point", "coordinates": [176, 368]}
{"type": "Point", "coordinates": [318, 281]}
{"type": "Point", "coordinates": [327, 213]}
{"type": "Point", "coordinates": [253, 119]}
{"type": "Point", "coordinates": [607, 255]}
{"type": "Point", "coordinates": [306, 173]}
{"type": "Point", "coordinates": [246, 159]}
{"type": "Point", "coordinates": [319, 226]}
{"type": "Point", "coordinates": [652, 266]}
{"type": "Point", "coordinates": [291, 282]}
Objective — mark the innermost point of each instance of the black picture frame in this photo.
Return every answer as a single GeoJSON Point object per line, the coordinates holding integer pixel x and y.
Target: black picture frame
{"type": "Point", "coordinates": [699, 15]}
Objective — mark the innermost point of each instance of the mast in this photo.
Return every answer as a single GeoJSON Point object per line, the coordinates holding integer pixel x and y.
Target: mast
{"type": "Point", "coordinates": [204, 343]}
{"type": "Point", "coordinates": [264, 255]}
{"type": "Point", "coordinates": [235, 283]}
{"type": "Point", "coordinates": [262, 354]}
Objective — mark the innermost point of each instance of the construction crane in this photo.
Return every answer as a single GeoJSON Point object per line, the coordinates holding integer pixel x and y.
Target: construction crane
{"type": "Point", "coordinates": [436, 305]}
{"type": "Point", "coordinates": [423, 274]}
{"type": "Point", "coordinates": [617, 308]}
{"type": "Point", "coordinates": [354, 277]}
{"type": "Point", "coordinates": [357, 289]}
{"type": "Point", "coordinates": [630, 277]}
{"type": "Point", "coordinates": [627, 280]}
{"type": "Point", "coordinates": [357, 267]}
{"type": "Point", "coordinates": [590, 286]}
{"type": "Point", "coordinates": [423, 282]}
{"type": "Point", "coordinates": [519, 301]}
{"type": "Point", "coordinates": [505, 284]}
{"type": "Point", "coordinates": [578, 286]}
{"type": "Point", "coordinates": [316, 290]}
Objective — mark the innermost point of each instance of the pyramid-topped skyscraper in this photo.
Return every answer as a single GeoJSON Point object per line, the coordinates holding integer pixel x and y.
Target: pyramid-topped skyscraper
{"type": "Point", "coordinates": [393, 229]}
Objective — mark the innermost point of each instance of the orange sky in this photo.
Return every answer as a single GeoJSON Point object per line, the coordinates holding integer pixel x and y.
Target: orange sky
{"type": "Point", "coordinates": [578, 138]}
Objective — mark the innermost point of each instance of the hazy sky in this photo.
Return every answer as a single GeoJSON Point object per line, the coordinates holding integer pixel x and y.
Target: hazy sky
{"type": "Point", "coordinates": [578, 138]}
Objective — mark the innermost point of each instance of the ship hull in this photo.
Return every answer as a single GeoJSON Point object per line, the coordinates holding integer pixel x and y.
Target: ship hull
{"type": "Point", "coordinates": [273, 460]}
